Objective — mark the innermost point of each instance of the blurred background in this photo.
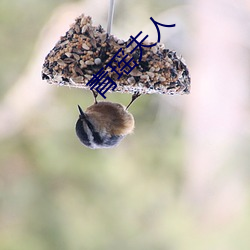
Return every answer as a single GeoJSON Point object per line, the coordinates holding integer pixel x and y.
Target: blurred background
{"type": "Point", "coordinates": [180, 182]}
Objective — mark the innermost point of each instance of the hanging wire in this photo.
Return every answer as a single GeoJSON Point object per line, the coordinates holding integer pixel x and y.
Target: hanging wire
{"type": "Point", "coordinates": [110, 16]}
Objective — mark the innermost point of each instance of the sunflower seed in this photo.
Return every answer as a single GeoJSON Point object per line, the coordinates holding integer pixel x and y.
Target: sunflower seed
{"type": "Point", "coordinates": [85, 46]}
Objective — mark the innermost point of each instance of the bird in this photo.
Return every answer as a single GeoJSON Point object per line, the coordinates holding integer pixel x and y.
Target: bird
{"type": "Point", "coordinates": [104, 124]}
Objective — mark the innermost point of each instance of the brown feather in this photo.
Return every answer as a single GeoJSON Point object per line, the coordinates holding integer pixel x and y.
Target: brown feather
{"type": "Point", "coordinates": [111, 117]}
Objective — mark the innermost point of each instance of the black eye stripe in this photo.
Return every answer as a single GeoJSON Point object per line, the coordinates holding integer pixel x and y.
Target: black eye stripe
{"type": "Point", "coordinates": [97, 138]}
{"type": "Point", "coordinates": [82, 135]}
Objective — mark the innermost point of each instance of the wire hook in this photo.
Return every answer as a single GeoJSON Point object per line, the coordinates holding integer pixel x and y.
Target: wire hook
{"type": "Point", "coordinates": [110, 16]}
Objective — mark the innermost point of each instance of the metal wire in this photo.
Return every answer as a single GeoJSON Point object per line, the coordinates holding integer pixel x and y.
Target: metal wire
{"type": "Point", "coordinates": [110, 16]}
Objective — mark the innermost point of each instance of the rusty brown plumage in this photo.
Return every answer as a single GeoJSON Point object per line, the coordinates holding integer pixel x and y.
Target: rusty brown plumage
{"type": "Point", "coordinates": [111, 117]}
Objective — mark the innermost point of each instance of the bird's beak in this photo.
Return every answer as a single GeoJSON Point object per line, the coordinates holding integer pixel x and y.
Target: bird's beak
{"type": "Point", "coordinates": [82, 115]}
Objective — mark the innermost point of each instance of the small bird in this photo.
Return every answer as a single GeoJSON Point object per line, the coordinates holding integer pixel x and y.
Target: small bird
{"type": "Point", "coordinates": [104, 124]}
